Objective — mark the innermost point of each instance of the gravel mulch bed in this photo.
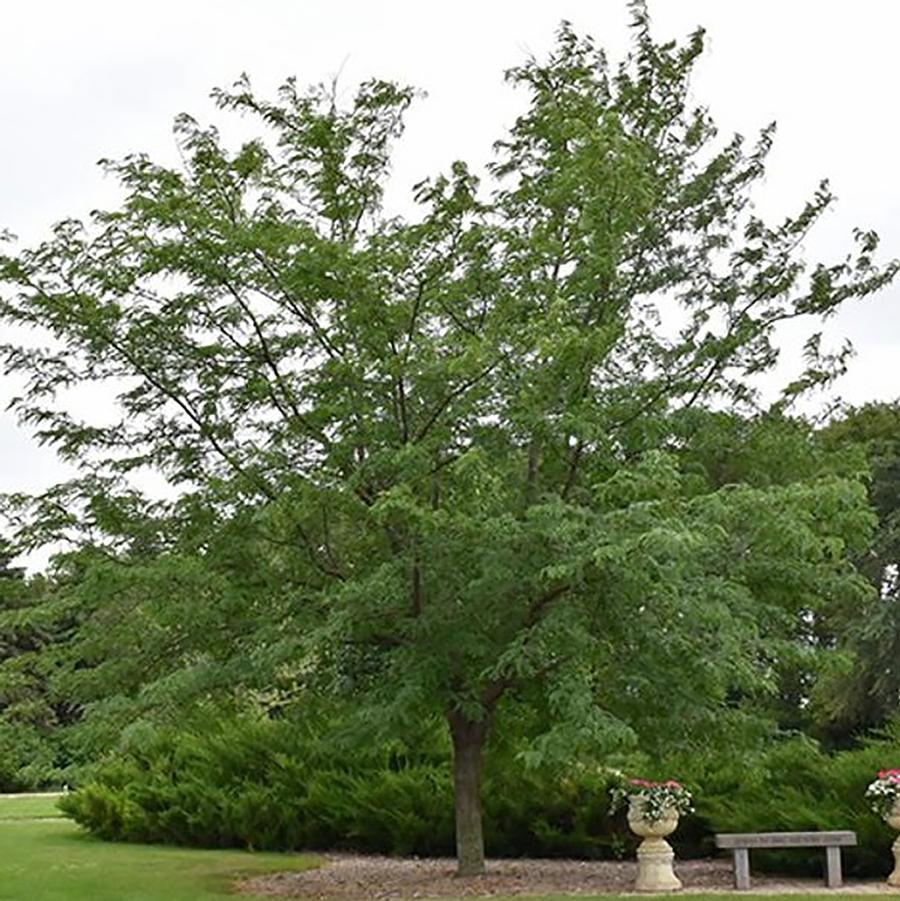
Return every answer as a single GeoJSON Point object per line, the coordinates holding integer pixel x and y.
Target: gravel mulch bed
{"type": "Point", "coordinates": [346, 877]}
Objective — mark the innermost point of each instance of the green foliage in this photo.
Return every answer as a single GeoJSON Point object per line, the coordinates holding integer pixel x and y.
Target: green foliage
{"type": "Point", "coordinates": [271, 785]}
{"type": "Point", "coordinates": [862, 691]}
{"type": "Point", "coordinates": [260, 784]}
{"type": "Point", "coordinates": [794, 785]}
{"type": "Point", "coordinates": [442, 461]}
{"type": "Point", "coordinates": [9, 573]}
{"type": "Point", "coordinates": [34, 626]}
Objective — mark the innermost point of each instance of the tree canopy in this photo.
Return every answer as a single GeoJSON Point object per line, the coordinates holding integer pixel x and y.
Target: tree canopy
{"type": "Point", "coordinates": [463, 451]}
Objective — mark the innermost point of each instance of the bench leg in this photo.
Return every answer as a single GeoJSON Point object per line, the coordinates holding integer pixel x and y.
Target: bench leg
{"type": "Point", "coordinates": [833, 877]}
{"type": "Point", "coordinates": [741, 868]}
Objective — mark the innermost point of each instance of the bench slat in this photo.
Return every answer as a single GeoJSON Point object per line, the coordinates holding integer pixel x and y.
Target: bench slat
{"type": "Point", "coordinates": [785, 839]}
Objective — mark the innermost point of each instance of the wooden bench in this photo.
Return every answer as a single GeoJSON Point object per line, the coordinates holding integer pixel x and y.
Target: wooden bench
{"type": "Point", "coordinates": [740, 844]}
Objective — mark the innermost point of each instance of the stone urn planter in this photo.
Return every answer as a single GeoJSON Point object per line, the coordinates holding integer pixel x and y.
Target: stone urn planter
{"type": "Point", "coordinates": [654, 854]}
{"type": "Point", "coordinates": [892, 818]}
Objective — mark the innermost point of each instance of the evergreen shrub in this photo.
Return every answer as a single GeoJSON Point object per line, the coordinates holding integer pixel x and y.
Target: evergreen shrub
{"type": "Point", "coordinates": [794, 786]}
{"type": "Point", "coordinates": [272, 785]}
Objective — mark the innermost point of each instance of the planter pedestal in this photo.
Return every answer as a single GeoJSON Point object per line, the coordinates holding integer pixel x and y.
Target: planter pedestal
{"type": "Point", "coordinates": [894, 878]}
{"type": "Point", "coordinates": [655, 873]}
{"type": "Point", "coordinates": [654, 854]}
{"type": "Point", "coordinates": [893, 820]}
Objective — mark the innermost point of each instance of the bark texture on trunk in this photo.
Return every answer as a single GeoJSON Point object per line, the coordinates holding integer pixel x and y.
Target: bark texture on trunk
{"type": "Point", "coordinates": [468, 746]}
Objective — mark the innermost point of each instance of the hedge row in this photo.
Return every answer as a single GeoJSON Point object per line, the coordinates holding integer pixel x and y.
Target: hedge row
{"type": "Point", "coordinates": [265, 785]}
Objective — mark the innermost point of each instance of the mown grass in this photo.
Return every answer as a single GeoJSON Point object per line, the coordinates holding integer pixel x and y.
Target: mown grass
{"type": "Point", "coordinates": [26, 807]}
{"type": "Point", "coordinates": [54, 860]}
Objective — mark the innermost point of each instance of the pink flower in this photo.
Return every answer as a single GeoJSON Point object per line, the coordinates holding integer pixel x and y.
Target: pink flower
{"type": "Point", "coordinates": [646, 783]}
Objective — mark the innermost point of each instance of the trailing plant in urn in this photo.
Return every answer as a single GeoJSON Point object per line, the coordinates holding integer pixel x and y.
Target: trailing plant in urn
{"type": "Point", "coordinates": [658, 798]}
{"type": "Point", "coordinates": [884, 793]}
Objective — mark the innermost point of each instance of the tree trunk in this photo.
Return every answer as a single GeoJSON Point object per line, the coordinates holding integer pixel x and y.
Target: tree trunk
{"type": "Point", "coordinates": [468, 745]}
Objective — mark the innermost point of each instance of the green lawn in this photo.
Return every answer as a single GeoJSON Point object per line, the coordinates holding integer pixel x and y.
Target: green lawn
{"type": "Point", "coordinates": [54, 860]}
{"type": "Point", "coordinates": [18, 807]}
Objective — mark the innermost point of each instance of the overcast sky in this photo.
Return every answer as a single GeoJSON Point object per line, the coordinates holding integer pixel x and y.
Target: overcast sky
{"type": "Point", "coordinates": [88, 79]}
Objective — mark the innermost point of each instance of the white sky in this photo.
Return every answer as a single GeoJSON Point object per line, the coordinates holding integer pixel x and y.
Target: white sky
{"type": "Point", "coordinates": [101, 78]}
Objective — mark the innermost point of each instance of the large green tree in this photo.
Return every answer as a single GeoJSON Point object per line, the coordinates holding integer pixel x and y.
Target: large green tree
{"type": "Point", "coordinates": [460, 435]}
